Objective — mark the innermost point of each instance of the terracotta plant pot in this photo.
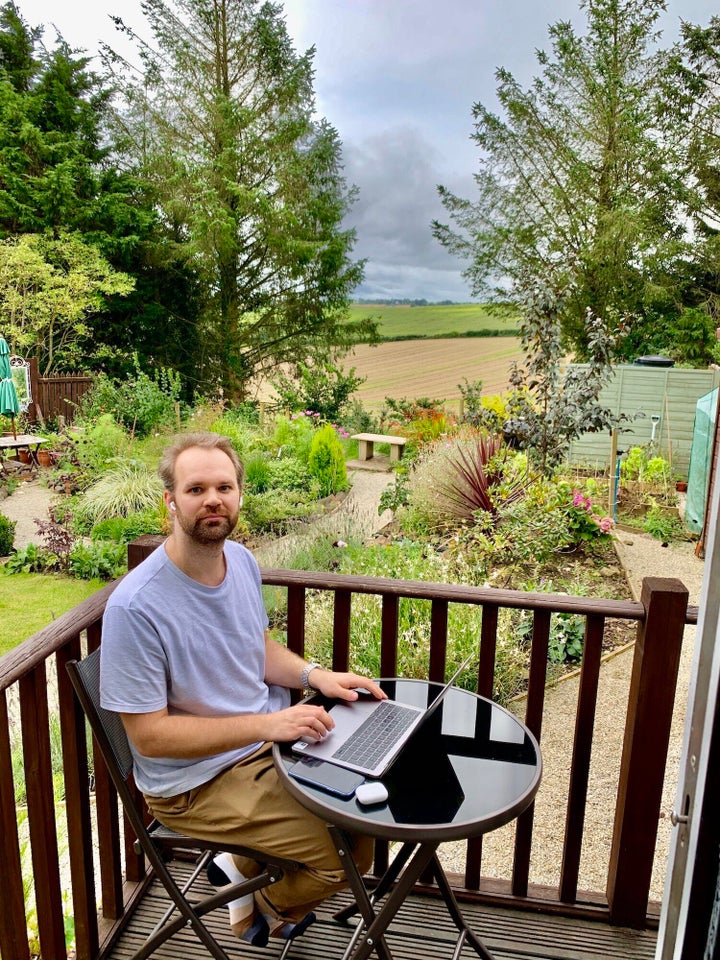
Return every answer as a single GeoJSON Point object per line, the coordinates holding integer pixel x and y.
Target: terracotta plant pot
{"type": "Point", "coordinates": [44, 458]}
{"type": "Point", "coordinates": [24, 456]}
{"type": "Point", "coordinates": [681, 486]}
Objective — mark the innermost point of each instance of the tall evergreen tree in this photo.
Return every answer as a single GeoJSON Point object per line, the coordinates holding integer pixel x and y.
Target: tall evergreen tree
{"type": "Point", "coordinates": [222, 119]}
{"type": "Point", "coordinates": [581, 179]}
{"type": "Point", "coordinates": [58, 175]}
{"type": "Point", "coordinates": [698, 67]}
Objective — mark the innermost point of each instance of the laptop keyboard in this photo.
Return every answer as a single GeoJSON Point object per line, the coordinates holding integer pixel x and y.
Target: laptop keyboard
{"type": "Point", "coordinates": [377, 735]}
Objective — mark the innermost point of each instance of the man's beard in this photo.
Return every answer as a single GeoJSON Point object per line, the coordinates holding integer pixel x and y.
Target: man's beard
{"type": "Point", "coordinates": [201, 531]}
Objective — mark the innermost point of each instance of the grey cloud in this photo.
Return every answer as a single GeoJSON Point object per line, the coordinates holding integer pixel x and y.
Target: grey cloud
{"type": "Point", "coordinates": [397, 176]}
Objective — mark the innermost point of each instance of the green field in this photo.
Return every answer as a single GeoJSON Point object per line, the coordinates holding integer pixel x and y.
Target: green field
{"type": "Point", "coordinates": [437, 320]}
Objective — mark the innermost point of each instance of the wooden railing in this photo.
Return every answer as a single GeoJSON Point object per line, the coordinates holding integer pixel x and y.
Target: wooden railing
{"type": "Point", "coordinates": [99, 866]}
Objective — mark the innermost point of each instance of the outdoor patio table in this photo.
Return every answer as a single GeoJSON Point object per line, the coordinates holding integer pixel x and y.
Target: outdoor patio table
{"type": "Point", "coordinates": [23, 441]}
{"type": "Point", "coordinates": [470, 768]}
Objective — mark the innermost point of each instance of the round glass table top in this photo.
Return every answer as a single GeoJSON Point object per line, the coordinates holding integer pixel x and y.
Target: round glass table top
{"type": "Point", "coordinates": [469, 768]}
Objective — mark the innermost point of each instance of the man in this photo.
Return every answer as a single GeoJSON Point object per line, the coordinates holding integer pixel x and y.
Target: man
{"type": "Point", "coordinates": [202, 689]}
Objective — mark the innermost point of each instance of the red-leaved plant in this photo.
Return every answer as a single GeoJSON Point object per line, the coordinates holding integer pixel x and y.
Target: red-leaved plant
{"type": "Point", "coordinates": [477, 480]}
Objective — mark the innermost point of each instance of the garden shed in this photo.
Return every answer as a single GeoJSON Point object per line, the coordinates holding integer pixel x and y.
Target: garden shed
{"type": "Point", "coordinates": [659, 404]}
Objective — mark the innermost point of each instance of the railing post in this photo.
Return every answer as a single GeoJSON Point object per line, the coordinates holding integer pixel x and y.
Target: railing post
{"type": "Point", "coordinates": [142, 547]}
{"type": "Point", "coordinates": [13, 927]}
{"type": "Point", "coordinates": [645, 745]}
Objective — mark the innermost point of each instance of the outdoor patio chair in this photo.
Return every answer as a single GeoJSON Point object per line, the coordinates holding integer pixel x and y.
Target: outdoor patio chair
{"type": "Point", "coordinates": [158, 843]}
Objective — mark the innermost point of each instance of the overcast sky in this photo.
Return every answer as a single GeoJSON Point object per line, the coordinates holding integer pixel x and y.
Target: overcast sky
{"type": "Point", "coordinates": [397, 79]}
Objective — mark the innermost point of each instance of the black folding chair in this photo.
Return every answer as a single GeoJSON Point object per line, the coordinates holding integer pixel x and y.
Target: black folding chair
{"type": "Point", "coordinates": [156, 841]}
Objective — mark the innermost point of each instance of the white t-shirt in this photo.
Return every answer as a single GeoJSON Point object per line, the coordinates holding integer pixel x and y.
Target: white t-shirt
{"type": "Point", "coordinates": [171, 641]}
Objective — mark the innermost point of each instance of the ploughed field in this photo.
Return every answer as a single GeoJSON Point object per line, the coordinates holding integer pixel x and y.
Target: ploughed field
{"type": "Point", "coordinates": [432, 368]}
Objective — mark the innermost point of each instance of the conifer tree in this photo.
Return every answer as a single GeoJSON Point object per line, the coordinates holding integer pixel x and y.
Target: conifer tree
{"type": "Point", "coordinates": [222, 117]}
{"type": "Point", "coordinates": [581, 178]}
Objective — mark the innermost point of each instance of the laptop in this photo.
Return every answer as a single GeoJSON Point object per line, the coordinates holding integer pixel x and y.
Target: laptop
{"type": "Point", "coordinates": [369, 733]}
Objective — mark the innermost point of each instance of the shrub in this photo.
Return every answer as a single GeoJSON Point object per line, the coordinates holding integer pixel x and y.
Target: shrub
{"type": "Point", "coordinates": [99, 560]}
{"type": "Point", "coordinates": [126, 489]}
{"type": "Point", "coordinates": [359, 420]}
{"type": "Point", "coordinates": [58, 541]}
{"type": "Point", "coordinates": [404, 410]}
{"type": "Point", "coordinates": [326, 461]}
{"type": "Point", "coordinates": [257, 472]}
{"type": "Point", "coordinates": [101, 442]}
{"type": "Point", "coordinates": [264, 473]}
{"type": "Point", "coordinates": [239, 432]}
{"type": "Point", "coordinates": [142, 403]}
{"type": "Point", "coordinates": [290, 473]}
{"type": "Point", "coordinates": [293, 435]}
{"type": "Point", "coordinates": [397, 494]}
{"type": "Point", "coordinates": [584, 523]}
{"type": "Point", "coordinates": [31, 559]}
{"type": "Point", "coordinates": [554, 406]}
{"type": "Point", "coordinates": [275, 511]}
{"type": "Point", "coordinates": [7, 535]}
{"type": "Point", "coordinates": [453, 481]}
{"type": "Point", "coordinates": [319, 386]}
{"type": "Point", "coordinates": [471, 394]}
{"type": "Point", "coordinates": [126, 529]}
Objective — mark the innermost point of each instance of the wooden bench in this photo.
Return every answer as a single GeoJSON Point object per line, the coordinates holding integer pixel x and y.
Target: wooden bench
{"type": "Point", "coordinates": [366, 441]}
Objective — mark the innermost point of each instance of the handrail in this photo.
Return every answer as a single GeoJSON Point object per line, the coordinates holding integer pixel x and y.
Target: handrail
{"type": "Point", "coordinates": [455, 593]}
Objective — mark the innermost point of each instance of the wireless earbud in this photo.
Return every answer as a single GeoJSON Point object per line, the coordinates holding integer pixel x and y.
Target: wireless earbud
{"type": "Point", "coordinates": [172, 506]}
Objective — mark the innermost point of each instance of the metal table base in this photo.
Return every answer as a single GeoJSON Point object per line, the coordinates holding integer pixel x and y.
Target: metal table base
{"type": "Point", "coordinates": [397, 882]}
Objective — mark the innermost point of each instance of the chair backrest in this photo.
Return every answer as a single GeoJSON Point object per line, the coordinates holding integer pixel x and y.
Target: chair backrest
{"type": "Point", "coordinates": [106, 725]}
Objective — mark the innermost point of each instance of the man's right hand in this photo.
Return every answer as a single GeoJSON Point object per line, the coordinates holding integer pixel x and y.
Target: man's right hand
{"type": "Point", "coordinates": [304, 720]}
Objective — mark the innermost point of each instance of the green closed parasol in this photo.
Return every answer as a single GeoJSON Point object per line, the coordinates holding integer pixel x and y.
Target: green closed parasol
{"type": "Point", "coordinates": [9, 403]}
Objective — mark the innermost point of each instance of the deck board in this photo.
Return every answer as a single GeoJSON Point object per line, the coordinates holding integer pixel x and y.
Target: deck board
{"type": "Point", "coordinates": [422, 931]}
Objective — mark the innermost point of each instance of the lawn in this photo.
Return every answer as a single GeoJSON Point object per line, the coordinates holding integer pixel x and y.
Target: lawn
{"type": "Point", "coordinates": [31, 601]}
{"type": "Point", "coordinates": [436, 320]}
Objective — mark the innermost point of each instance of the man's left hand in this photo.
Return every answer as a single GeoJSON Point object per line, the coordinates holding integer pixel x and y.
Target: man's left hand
{"type": "Point", "coordinates": [343, 686]}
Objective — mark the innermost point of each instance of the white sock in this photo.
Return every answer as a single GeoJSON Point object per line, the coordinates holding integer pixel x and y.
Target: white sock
{"type": "Point", "coordinates": [243, 907]}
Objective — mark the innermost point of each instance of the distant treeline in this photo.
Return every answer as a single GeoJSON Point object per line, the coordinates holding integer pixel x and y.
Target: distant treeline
{"type": "Point", "coordinates": [394, 302]}
{"type": "Point", "coordinates": [449, 335]}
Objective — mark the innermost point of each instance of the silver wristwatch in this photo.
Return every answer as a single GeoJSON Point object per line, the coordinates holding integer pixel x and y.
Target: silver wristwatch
{"type": "Point", "coordinates": [305, 675]}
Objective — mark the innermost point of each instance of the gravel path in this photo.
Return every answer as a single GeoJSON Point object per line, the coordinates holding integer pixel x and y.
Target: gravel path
{"type": "Point", "coordinates": [30, 501]}
{"type": "Point", "coordinates": [640, 556]}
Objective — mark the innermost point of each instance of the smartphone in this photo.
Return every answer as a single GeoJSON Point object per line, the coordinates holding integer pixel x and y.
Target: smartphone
{"type": "Point", "coordinates": [326, 776]}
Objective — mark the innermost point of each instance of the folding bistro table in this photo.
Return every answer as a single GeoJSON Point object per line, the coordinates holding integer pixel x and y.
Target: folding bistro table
{"type": "Point", "coordinates": [470, 768]}
{"type": "Point", "coordinates": [23, 441]}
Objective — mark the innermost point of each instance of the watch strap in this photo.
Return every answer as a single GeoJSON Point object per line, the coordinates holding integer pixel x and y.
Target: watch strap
{"type": "Point", "coordinates": [305, 676]}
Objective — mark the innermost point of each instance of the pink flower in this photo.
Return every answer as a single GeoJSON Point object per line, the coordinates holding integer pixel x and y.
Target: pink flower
{"type": "Point", "coordinates": [606, 524]}
{"type": "Point", "coordinates": [583, 503]}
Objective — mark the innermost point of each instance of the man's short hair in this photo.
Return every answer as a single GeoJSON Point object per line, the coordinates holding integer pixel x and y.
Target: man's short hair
{"type": "Point", "coordinates": [205, 441]}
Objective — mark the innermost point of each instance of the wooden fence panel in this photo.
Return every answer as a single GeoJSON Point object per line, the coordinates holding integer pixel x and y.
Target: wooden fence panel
{"type": "Point", "coordinates": [56, 396]}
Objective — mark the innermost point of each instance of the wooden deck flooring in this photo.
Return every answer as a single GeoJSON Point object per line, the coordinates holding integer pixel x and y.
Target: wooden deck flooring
{"type": "Point", "coordinates": [422, 931]}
